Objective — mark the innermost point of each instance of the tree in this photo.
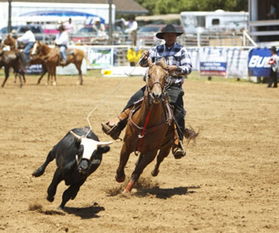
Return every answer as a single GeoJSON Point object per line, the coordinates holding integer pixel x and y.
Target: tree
{"type": "Point", "coordinates": [176, 6]}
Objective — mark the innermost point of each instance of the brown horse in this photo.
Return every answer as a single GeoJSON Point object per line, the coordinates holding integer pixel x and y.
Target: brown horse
{"type": "Point", "coordinates": [10, 41]}
{"type": "Point", "coordinates": [150, 129]}
{"type": "Point", "coordinates": [12, 59]}
{"type": "Point", "coordinates": [12, 44]}
{"type": "Point", "coordinates": [50, 58]}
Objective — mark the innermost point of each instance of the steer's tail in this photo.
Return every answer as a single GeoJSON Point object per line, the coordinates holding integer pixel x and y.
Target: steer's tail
{"type": "Point", "coordinates": [40, 171]}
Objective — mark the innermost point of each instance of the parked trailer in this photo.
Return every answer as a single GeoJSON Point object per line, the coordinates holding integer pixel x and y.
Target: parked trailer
{"type": "Point", "coordinates": [213, 21]}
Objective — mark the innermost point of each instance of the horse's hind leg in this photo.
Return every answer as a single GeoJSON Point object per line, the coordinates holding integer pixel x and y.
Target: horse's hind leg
{"type": "Point", "coordinates": [78, 66]}
{"type": "Point", "coordinates": [40, 171]}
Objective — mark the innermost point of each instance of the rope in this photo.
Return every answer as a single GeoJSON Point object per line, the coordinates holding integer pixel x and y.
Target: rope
{"type": "Point", "coordinates": [94, 109]}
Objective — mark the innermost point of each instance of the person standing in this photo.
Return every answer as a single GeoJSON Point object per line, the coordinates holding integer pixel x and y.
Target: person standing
{"type": "Point", "coordinates": [69, 27]}
{"type": "Point", "coordinates": [179, 63]}
{"type": "Point", "coordinates": [274, 63]}
{"type": "Point", "coordinates": [132, 27]}
{"type": "Point", "coordinates": [28, 39]}
{"type": "Point", "coordinates": [62, 40]}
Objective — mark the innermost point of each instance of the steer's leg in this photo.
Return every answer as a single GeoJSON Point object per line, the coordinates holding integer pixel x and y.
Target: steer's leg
{"type": "Point", "coordinates": [57, 178]}
{"type": "Point", "coordinates": [40, 171]}
{"type": "Point", "coordinates": [70, 193]}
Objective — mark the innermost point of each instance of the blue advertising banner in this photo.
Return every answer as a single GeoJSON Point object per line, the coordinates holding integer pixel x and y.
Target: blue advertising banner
{"type": "Point", "coordinates": [258, 62]}
{"type": "Point", "coordinates": [213, 68]}
{"type": "Point", "coordinates": [213, 61]}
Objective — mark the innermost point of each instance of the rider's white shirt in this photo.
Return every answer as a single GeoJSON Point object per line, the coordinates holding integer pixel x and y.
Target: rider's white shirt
{"type": "Point", "coordinates": [27, 37]}
{"type": "Point", "coordinates": [62, 38]}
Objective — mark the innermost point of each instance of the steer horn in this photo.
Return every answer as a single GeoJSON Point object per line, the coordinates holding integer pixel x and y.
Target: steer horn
{"type": "Point", "coordinates": [75, 135]}
{"type": "Point", "coordinates": [104, 143]}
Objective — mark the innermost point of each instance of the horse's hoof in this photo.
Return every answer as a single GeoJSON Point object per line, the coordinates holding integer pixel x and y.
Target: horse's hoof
{"type": "Point", "coordinates": [119, 178]}
{"type": "Point", "coordinates": [155, 172]}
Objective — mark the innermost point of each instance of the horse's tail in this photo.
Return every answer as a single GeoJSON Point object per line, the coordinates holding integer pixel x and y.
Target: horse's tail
{"type": "Point", "coordinates": [84, 55]}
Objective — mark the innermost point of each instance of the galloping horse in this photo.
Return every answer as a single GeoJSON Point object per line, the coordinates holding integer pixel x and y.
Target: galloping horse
{"type": "Point", "coordinates": [50, 58]}
{"type": "Point", "coordinates": [150, 128]}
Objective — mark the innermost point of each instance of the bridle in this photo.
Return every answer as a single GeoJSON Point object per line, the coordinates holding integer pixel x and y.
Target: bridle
{"type": "Point", "coordinates": [149, 88]}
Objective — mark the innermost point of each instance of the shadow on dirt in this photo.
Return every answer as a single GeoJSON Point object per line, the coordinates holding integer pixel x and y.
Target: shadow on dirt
{"type": "Point", "coordinates": [165, 193]}
{"type": "Point", "coordinates": [85, 212]}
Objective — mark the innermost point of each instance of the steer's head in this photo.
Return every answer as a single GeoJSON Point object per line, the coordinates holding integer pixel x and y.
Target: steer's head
{"type": "Point", "coordinates": [89, 152]}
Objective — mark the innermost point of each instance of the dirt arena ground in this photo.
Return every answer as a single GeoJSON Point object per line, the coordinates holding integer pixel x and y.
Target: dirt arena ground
{"type": "Point", "coordinates": [229, 181]}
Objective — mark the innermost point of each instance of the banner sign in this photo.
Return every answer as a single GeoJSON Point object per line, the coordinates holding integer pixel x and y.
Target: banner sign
{"type": "Point", "coordinates": [258, 62]}
{"type": "Point", "coordinates": [213, 61]}
{"type": "Point", "coordinates": [99, 58]}
{"type": "Point", "coordinates": [237, 65]}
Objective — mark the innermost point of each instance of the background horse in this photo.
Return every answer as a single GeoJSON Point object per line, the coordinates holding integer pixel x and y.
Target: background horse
{"type": "Point", "coordinates": [150, 129]}
{"type": "Point", "coordinates": [50, 57]}
{"type": "Point", "coordinates": [11, 59]}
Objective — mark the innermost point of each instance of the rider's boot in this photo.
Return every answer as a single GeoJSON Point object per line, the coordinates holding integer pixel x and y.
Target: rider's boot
{"type": "Point", "coordinates": [63, 63]}
{"type": "Point", "coordinates": [177, 148]}
{"type": "Point", "coordinates": [114, 127]}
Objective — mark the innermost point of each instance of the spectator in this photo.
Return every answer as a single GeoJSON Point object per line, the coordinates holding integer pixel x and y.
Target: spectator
{"type": "Point", "coordinates": [69, 26]}
{"type": "Point", "coordinates": [28, 40]}
{"type": "Point", "coordinates": [62, 40]}
{"type": "Point", "coordinates": [274, 63]}
{"type": "Point", "coordinates": [99, 27]}
{"type": "Point", "coordinates": [132, 27]}
{"type": "Point", "coordinates": [272, 14]}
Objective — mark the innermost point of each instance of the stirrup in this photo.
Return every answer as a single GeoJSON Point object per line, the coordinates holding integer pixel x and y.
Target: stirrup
{"type": "Point", "coordinates": [112, 131]}
{"type": "Point", "coordinates": [178, 152]}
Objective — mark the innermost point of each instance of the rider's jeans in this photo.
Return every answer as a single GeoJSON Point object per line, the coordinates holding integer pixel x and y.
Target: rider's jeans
{"type": "Point", "coordinates": [63, 53]}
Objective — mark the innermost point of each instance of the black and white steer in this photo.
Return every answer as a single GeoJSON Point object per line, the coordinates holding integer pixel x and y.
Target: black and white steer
{"type": "Point", "coordinates": [78, 154]}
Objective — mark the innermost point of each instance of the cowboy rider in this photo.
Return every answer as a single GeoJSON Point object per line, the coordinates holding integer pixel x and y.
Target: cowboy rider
{"type": "Point", "coordinates": [28, 39]}
{"type": "Point", "coordinates": [62, 40]}
{"type": "Point", "coordinates": [179, 64]}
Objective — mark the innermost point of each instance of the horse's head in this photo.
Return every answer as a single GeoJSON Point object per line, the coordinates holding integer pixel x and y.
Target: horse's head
{"type": "Point", "coordinates": [156, 80]}
{"type": "Point", "coordinates": [10, 41]}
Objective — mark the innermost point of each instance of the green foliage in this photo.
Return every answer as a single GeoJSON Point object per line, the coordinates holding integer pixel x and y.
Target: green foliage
{"type": "Point", "coordinates": [176, 6]}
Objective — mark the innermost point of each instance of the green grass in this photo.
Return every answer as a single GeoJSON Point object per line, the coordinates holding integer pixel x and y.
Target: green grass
{"type": "Point", "coordinates": [193, 76]}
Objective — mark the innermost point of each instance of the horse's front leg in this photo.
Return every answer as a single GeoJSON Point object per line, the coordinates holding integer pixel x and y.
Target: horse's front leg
{"type": "Point", "coordinates": [54, 75]}
{"type": "Point", "coordinates": [164, 151]}
{"type": "Point", "coordinates": [124, 156]}
{"type": "Point", "coordinates": [42, 75]}
{"type": "Point", "coordinates": [142, 163]}
{"type": "Point", "coordinates": [6, 75]}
